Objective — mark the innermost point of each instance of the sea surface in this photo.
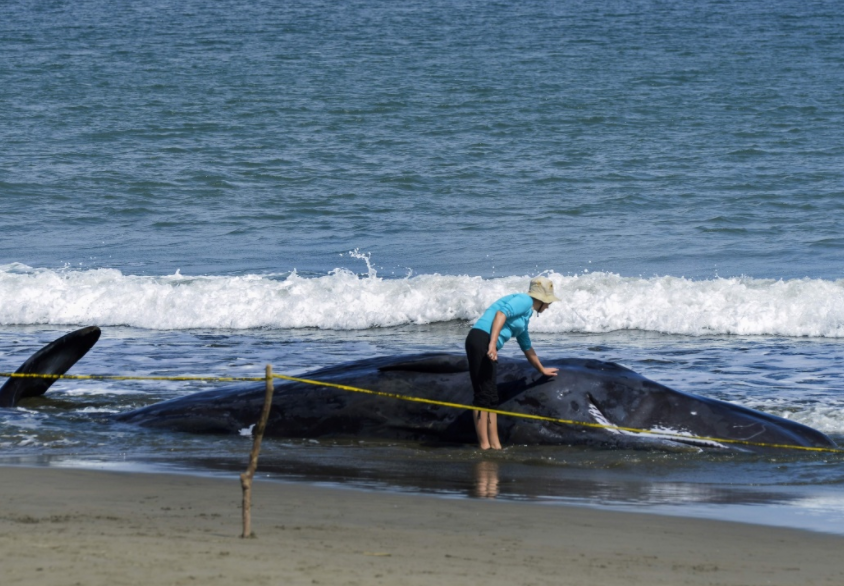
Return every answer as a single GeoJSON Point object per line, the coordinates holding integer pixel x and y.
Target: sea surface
{"type": "Point", "coordinates": [222, 185]}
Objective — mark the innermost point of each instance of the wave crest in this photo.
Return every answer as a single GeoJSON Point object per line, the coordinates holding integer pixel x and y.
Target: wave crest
{"type": "Point", "coordinates": [343, 300]}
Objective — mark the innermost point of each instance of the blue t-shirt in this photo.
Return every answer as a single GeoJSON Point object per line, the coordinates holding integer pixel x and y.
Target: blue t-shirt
{"type": "Point", "coordinates": [518, 308]}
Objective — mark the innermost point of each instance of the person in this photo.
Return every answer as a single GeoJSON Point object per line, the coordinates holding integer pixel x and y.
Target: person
{"type": "Point", "coordinates": [506, 318]}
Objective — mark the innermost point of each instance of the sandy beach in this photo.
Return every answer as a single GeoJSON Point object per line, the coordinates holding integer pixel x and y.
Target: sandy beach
{"type": "Point", "coordinates": [65, 527]}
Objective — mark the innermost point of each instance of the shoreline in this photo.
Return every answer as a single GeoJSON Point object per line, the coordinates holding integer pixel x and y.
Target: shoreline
{"type": "Point", "coordinates": [63, 526]}
{"type": "Point", "coordinates": [759, 506]}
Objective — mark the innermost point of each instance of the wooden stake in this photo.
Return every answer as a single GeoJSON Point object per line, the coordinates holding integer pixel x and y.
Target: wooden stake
{"type": "Point", "coordinates": [257, 436]}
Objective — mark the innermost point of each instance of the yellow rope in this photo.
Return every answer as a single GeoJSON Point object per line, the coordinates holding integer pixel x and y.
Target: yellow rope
{"type": "Point", "coordinates": [569, 422]}
{"type": "Point", "coordinates": [222, 379]}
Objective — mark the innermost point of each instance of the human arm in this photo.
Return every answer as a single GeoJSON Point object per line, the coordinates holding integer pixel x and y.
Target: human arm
{"type": "Point", "coordinates": [531, 356]}
{"type": "Point", "coordinates": [495, 331]}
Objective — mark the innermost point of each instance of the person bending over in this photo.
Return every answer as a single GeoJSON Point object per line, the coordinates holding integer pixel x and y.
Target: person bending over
{"type": "Point", "coordinates": [506, 318]}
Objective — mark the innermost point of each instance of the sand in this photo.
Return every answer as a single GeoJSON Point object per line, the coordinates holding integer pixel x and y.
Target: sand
{"type": "Point", "coordinates": [67, 526]}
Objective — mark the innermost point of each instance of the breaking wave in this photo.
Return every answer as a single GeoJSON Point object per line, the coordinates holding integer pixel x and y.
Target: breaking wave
{"type": "Point", "coordinates": [343, 300]}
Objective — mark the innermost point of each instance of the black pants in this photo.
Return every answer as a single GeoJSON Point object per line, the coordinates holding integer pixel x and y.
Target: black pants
{"type": "Point", "coordinates": [482, 369]}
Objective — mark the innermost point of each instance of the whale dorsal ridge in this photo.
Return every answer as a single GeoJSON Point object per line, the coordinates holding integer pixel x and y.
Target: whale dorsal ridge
{"type": "Point", "coordinates": [435, 364]}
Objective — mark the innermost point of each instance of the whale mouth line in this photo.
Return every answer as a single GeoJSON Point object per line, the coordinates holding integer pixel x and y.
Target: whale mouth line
{"type": "Point", "coordinates": [654, 433]}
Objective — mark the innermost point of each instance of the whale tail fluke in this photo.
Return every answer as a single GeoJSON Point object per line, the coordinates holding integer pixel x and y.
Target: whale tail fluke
{"type": "Point", "coordinates": [55, 358]}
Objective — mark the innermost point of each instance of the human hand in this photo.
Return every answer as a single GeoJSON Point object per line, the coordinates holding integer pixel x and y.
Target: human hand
{"type": "Point", "coordinates": [550, 371]}
{"type": "Point", "coordinates": [493, 354]}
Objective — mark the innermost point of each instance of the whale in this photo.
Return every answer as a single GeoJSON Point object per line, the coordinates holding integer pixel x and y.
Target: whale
{"type": "Point", "coordinates": [604, 405]}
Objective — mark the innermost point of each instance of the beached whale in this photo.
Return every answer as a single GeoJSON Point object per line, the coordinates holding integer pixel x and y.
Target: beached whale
{"type": "Point", "coordinates": [588, 391]}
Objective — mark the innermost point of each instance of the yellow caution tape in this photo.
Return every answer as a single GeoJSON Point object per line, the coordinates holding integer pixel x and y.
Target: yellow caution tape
{"type": "Point", "coordinates": [222, 379]}
{"type": "Point", "coordinates": [570, 422]}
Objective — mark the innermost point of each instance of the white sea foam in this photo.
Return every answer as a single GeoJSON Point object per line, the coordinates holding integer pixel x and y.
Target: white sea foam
{"type": "Point", "coordinates": [825, 417]}
{"type": "Point", "coordinates": [342, 300]}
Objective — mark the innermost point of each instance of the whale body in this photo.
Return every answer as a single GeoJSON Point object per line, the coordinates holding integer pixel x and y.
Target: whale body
{"type": "Point", "coordinates": [585, 391]}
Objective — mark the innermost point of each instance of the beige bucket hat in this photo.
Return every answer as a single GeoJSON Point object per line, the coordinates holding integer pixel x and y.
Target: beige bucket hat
{"type": "Point", "coordinates": [543, 289]}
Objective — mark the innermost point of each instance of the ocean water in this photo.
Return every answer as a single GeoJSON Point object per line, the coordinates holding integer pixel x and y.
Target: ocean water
{"type": "Point", "coordinates": [225, 185]}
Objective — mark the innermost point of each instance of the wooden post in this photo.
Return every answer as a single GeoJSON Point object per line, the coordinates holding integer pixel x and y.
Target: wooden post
{"type": "Point", "coordinates": [257, 436]}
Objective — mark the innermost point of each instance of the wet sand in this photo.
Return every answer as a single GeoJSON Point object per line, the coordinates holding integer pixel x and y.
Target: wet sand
{"type": "Point", "coordinates": [68, 527]}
